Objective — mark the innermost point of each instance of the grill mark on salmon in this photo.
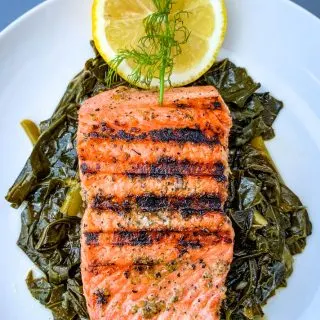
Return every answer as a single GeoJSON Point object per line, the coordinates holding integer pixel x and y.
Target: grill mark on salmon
{"type": "Point", "coordinates": [155, 242]}
{"type": "Point", "coordinates": [183, 135]}
{"type": "Point", "coordinates": [143, 119]}
{"type": "Point", "coordinates": [146, 237]}
{"type": "Point", "coordinates": [165, 166]}
{"type": "Point", "coordinates": [162, 135]}
{"type": "Point", "coordinates": [152, 203]}
{"type": "Point", "coordinates": [204, 202]}
{"type": "Point", "coordinates": [161, 170]}
{"type": "Point", "coordinates": [124, 247]}
{"type": "Point", "coordinates": [134, 238]}
{"type": "Point", "coordinates": [92, 238]}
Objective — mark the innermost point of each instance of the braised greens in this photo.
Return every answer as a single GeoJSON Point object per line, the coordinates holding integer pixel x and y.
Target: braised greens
{"type": "Point", "coordinates": [270, 222]}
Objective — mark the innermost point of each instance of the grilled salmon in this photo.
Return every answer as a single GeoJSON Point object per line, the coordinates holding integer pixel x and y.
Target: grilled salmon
{"type": "Point", "coordinates": [155, 241]}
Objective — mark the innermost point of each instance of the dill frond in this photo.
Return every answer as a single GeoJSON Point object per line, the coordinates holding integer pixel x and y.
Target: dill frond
{"type": "Point", "coordinates": [154, 55]}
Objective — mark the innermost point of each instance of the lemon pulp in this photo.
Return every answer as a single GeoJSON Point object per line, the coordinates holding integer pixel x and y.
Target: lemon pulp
{"type": "Point", "coordinates": [119, 25]}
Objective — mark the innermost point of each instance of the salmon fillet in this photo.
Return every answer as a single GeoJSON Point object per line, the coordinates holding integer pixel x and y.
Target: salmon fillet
{"type": "Point", "coordinates": [155, 241]}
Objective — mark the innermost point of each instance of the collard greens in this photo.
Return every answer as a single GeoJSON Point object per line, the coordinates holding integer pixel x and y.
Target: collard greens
{"type": "Point", "coordinates": [270, 222]}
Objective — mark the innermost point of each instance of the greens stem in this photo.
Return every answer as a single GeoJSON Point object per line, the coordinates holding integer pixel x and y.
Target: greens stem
{"type": "Point", "coordinates": [73, 201]}
{"type": "Point", "coordinates": [31, 129]}
{"type": "Point", "coordinates": [258, 144]}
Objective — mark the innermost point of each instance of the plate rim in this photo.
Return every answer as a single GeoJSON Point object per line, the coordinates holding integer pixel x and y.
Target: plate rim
{"type": "Point", "coordinates": [35, 10]}
{"type": "Point", "coordinates": [45, 3]}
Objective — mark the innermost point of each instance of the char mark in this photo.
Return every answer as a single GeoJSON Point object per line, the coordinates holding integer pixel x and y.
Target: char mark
{"type": "Point", "coordinates": [187, 206]}
{"type": "Point", "coordinates": [197, 204]}
{"type": "Point", "coordinates": [182, 239]}
{"type": "Point", "coordinates": [181, 135]}
{"type": "Point", "coordinates": [183, 246]}
{"type": "Point", "coordinates": [219, 235]}
{"type": "Point", "coordinates": [102, 296]}
{"type": "Point", "coordinates": [85, 169]}
{"type": "Point", "coordinates": [187, 213]}
{"type": "Point", "coordinates": [184, 242]}
{"type": "Point", "coordinates": [92, 238]}
{"type": "Point", "coordinates": [218, 173]}
{"type": "Point", "coordinates": [216, 105]}
{"type": "Point", "coordinates": [138, 238]}
{"type": "Point", "coordinates": [182, 105]}
{"type": "Point", "coordinates": [101, 202]}
{"type": "Point", "coordinates": [167, 166]}
{"type": "Point", "coordinates": [151, 203]}
{"type": "Point", "coordinates": [143, 264]}
{"type": "Point", "coordinates": [199, 239]}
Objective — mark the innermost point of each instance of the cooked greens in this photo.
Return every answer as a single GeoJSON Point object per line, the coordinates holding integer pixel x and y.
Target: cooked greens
{"type": "Point", "coordinates": [49, 185]}
{"type": "Point", "coordinates": [270, 222]}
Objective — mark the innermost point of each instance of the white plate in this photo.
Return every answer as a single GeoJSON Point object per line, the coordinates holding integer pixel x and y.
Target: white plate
{"type": "Point", "coordinates": [279, 44]}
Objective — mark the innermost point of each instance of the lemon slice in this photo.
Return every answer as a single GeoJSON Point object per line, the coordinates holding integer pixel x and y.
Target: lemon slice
{"type": "Point", "coordinates": [118, 24]}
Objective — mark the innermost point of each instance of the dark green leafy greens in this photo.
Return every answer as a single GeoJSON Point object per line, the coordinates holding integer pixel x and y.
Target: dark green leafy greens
{"type": "Point", "coordinates": [270, 222]}
{"type": "Point", "coordinates": [50, 238]}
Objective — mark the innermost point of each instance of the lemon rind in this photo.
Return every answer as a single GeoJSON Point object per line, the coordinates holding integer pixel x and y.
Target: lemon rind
{"type": "Point", "coordinates": [177, 79]}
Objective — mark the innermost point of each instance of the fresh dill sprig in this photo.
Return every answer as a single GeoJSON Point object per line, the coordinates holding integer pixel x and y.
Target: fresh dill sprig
{"type": "Point", "coordinates": [154, 55]}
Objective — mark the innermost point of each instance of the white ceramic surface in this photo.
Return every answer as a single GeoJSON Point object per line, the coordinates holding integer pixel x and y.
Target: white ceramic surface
{"type": "Point", "coordinates": [277, 42]}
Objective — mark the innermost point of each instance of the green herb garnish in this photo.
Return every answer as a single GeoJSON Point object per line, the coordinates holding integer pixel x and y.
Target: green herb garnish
{"type": "Point", "coordinates": [155, 53]}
